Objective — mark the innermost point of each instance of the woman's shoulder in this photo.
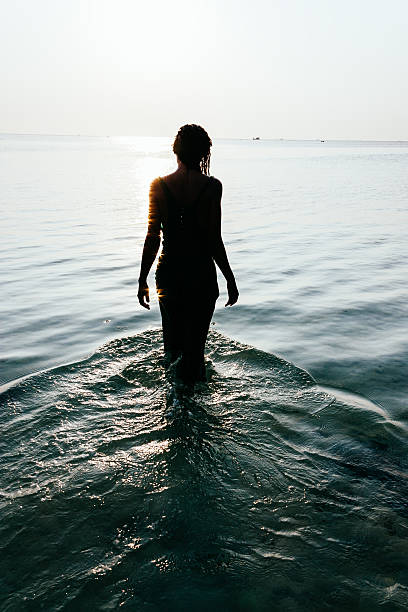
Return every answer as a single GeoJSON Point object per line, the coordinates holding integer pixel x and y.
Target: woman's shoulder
{"type": "Point", "coordinates": [155, 182]}
{"type": "Point", "coordinates": [210, 186]}
{"type": "Point", "coordinates": [212, 181]}
{"type": "Point", "coordinates": [216, 183]}
{"type": "Point", "coordinates": [214, 188]}
{"type": "Point", "coordinates": [156, 186]}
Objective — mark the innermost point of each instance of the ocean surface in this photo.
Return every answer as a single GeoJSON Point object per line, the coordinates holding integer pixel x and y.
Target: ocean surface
{"type": "Point", "coordinates": [282, 483]}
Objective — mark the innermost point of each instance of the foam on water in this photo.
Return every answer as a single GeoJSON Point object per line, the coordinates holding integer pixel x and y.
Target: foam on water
{"type": "Point", "coordinates": [261, 490]}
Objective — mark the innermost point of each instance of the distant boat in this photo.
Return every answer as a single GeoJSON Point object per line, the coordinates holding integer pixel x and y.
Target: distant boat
{"type": "Point", "coordinates": [255, 138]}
{"type": "Point", "coordinates": [322, 141]}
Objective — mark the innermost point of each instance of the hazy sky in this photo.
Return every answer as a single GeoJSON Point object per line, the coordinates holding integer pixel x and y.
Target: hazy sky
{"type": "Point", "coordinates": [273, 68]}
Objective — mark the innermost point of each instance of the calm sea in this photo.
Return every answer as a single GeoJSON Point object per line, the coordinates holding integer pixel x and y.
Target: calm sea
{"type": "Point", "coordinates": [280, 485]}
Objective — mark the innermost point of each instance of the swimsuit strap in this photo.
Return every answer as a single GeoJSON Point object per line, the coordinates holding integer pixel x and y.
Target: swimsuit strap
{"type": "Point", "coordinates": [172, 197]}
{"type": "Point", "coordinates": [202, 191]}
{"type": "Point", "coordinates": [167, 190]}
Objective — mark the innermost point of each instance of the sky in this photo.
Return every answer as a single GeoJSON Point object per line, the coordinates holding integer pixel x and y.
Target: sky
{"type": "Point", "coordinates": [269, 68]}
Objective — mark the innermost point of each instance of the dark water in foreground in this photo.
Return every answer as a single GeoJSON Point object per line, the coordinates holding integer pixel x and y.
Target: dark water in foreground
{"type": "Point", "coordinates": [260, 491]}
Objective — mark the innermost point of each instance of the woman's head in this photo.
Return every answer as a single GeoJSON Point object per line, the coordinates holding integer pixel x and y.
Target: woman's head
{"type": "Point", "coordinates": [192, 146]}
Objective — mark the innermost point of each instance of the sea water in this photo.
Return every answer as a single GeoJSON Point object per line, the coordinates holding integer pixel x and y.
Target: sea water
{"type": "Point", "coordinates": [279, 485]}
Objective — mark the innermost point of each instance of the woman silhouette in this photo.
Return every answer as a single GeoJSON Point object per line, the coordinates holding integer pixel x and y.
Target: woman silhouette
{"type": "Point", "coordinates": [186, 207]}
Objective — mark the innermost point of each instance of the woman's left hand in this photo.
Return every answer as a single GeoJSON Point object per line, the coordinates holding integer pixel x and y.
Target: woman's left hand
{"type": "Point", "coordinates": [233, 293]}
{"type": "Point", "coordinates": [143, 295]}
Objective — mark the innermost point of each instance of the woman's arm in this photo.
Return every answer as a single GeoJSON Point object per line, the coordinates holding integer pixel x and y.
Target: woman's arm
{"type": "Point", "coordinates": [217, 246]}
{"type": "Point", "coordinates": [151, 245]}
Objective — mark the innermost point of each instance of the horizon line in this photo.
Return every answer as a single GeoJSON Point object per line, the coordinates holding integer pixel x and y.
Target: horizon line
{"type": "Point", "coordinates": [270, 138]}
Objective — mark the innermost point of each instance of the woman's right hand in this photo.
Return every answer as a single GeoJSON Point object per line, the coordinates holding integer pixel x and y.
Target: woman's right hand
{"type": "Point", "coordinates": [233, 293]}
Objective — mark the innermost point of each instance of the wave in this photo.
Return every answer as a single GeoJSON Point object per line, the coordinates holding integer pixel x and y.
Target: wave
{"type": "Point", "coordinates": [259, 490]}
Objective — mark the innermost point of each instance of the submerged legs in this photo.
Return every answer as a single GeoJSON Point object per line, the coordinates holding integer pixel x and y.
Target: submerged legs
{"type": "Point", "coordinates": [185, 330]}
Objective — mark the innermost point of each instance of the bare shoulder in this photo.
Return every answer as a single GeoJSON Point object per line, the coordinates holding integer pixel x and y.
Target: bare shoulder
{"type": "Point", "coordinates": [155, 183]}
{"type": "Point", "coordinates": [216, 186]}
{"type": "Point", "coordinates": [168, 177]}
{"type": "Point", "coordinates": [155, 187]}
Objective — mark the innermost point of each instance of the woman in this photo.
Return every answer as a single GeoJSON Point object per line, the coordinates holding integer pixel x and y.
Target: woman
{"type": "Point", "coordinates": [186, 207]}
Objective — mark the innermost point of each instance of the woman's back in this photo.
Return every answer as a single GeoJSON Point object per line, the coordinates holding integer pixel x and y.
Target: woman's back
{"type": "Point", "coordinates": [188, 190]}
{"type": "Point", "coordinates": [186, 213]}
{"type": "Point", "coordinates": [187, 185]}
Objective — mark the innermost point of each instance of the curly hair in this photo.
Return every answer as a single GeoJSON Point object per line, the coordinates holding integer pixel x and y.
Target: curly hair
{"type": "Point", "coordinates": [192, 146]}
